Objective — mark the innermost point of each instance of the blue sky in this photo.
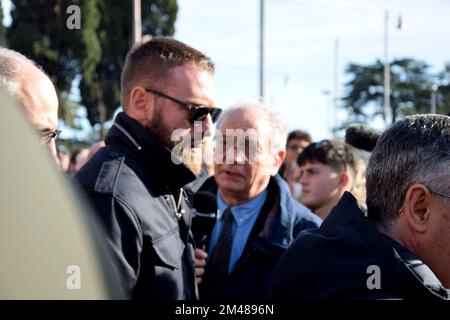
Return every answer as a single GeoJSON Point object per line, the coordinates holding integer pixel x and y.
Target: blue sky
{"type": "Point", "coordinates": [300, 36]}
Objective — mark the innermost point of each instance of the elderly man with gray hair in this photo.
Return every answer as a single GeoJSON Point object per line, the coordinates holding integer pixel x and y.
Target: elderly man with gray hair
{"type": "Point", "coordinates": [34, 92]}
{"type": "Point", "coordinates": [257, 216]}
{"type": "Point", "coordinates": [402, 249]}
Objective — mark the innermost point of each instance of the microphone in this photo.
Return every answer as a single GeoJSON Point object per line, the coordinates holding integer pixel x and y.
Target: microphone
{"type": "Point", "coordinates": [362, 137]}
{"type": "Point", "coordinates": [204, 216]}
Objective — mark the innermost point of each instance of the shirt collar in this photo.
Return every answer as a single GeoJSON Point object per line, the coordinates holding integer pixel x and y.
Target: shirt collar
{"type": "Point", "coordinates": [243, 212]}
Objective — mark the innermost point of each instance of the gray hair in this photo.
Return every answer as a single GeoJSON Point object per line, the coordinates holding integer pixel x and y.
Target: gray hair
{"type": "Point", "coordinates": [415, 149]}
{"type": "Point", "coordinates": [12, 64]}
{"type": "Point", "coordinates": [278, 135]}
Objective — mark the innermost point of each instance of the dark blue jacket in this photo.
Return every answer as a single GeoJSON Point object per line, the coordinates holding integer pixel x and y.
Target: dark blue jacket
{"type": "Point", "coordinates": [276, 227]}
{"type": "Point", "coordinates": [341, 260]}
{"type": "Point", "coordinates": [134, 187]}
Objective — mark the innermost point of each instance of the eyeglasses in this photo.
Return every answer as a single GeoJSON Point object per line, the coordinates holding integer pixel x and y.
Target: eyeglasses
{"type": "Point", "coordinates": [47, 136]}
{"type": "Point", "coordinates": [440, 194]}
{"type": "Point", "coordinates": [198, 112]}
{"type": "Point", "coordinates": [435, 192]}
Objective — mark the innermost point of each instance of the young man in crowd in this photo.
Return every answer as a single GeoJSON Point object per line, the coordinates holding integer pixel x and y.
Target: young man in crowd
{"type": "Point", "coordinates": [401, 249]}
{"type": "Point", "coordinates": [326, 169]}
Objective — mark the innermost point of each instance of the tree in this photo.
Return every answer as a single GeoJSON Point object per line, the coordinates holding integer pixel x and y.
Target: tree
{"type": "Point", "coordinates": [410, 89]}
{"type": "Point", "coordinates": [38, 30]}
{"type": "Point", "coordinates": [93, 55]}
{"type": "Point", "coordinates": [443, 93]}
{"type": "Point", "coordinates": [100, 84]}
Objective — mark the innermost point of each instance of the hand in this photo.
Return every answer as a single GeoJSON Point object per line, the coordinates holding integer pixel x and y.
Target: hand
{"type": "Point", "coordinates": [200, 263]}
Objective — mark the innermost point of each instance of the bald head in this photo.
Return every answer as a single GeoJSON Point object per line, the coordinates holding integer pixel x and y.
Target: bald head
{"type": "Point", "coordinates": [255, 116]}
{"type": "Point", "coordinates": [256, 139]}
{"type": "Point", "coordinates": [32, 89]}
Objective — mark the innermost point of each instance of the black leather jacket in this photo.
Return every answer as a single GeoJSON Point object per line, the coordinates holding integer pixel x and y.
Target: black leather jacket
{"type": "Point", "coordinates": [136, 190]}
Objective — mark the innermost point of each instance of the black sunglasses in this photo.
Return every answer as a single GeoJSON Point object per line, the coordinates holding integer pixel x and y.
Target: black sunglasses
{"type": "Point", "coordinates": [198, 112]}
{"type": "Point", "coordinates": [47, 136]}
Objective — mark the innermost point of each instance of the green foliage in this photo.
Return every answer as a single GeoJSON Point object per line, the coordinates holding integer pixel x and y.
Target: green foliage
{"type": "Point", "coordinates": [94, 54]}
{"type": "Point", "coordinates": [443, 93]}
{"type": "Point", "coordinates": [100, 88]}
{"type": "Point", "coordinates": [411, 85]}
{"type": "Point", "coordinates": [39, 31]}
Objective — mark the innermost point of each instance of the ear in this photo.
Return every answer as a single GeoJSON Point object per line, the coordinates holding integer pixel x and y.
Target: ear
{"type": "Point", "coordinates": [276, 162]}
{"type": "Point", "coordinates": [279, 158]}
{"type": "Point", "coordinates": [140, 108]}
{"type": "Point", "coordinates": [344, 180]}
{"type": "Point", "coordinates": [416, 207]}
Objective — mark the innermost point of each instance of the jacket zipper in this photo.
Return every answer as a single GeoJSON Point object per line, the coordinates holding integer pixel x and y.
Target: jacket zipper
{"type": "Point", "coordinates": [178, 213]}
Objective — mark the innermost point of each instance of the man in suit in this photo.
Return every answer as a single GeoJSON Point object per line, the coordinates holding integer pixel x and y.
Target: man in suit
{"type": "Point", "coordinates": [257, 216]}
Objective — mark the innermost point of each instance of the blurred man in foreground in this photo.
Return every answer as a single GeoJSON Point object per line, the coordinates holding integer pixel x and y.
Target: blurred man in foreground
{"type": "Point", "coordinates": [34, 92]}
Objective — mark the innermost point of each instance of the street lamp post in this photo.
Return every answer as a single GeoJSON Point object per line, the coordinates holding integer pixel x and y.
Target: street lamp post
{"type": "Point", "coordinates": [137, 27]}
{"type": "Point", "coordinates": [387, 75]}
{"type": "Point", "coordinates": [434, 89]}
{"type": "Point", "coordinates": [387, 68]}
{"type": "Point", "coordinates": [336, 85]}
{"type": "Point", "coordinates": [328, 106]}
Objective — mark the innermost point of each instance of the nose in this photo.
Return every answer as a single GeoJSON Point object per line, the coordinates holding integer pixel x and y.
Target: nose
{"type": "Point", "coordinates": [239, 156]}
{"type": "Point", "coordinates": [303, 179]}
{"type": "Point", "coordinates": [207, 126]}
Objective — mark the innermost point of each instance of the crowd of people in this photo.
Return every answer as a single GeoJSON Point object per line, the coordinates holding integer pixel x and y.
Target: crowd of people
{"type": "Point", "coordinates": [197, 203]}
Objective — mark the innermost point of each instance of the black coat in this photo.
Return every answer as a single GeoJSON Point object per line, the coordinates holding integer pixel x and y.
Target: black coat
{"type": "Point", "coordinates": [280, 220]}
{"type": "Point", "coordinates": [134, 188]}
{"type": "Point", "coordinates": [334, 262]}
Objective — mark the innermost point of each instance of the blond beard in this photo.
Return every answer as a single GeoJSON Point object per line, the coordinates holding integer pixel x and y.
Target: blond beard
{"type": "Point", "coordinates": [192, 160]}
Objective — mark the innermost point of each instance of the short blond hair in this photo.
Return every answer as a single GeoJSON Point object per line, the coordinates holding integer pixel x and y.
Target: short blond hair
{"type": "Point", "coordinates": [151, 59]}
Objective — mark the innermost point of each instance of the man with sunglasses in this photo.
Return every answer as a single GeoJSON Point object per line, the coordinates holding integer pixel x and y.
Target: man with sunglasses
{"type": "Point", "coordinates": [34, 92]}
{"type": "Point", "coordinates": [401, 250]}
{"type": "Point", "coordinates": [136, 182]}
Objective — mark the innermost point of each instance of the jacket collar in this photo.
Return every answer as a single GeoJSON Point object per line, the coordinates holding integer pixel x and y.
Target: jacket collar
{"type": "Point", "coordinates": [347, 214]}
{"type": "Point", "coordinates": [154, 157]}
{"type": "Point", "coordinates": [274, 220]}
{"type": "Point", "coordinates": [278, 226]}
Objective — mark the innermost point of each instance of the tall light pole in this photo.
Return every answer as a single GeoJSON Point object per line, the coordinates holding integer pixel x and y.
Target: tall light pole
{"type": "Point", "coordinates": [434, 89]}
{"type": "Point", "coordinates": [137, 28]}
{"type": "Point", "coordinates": [336, 85]}
{"type": "Point", "coordinates": [261, 49]}
{"type": "Point", "coordinates": [387, 68]}
{"type": "Point", "coordinates": [328, 105]}
{"type": "Point", "coordinates": [387, 75]}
